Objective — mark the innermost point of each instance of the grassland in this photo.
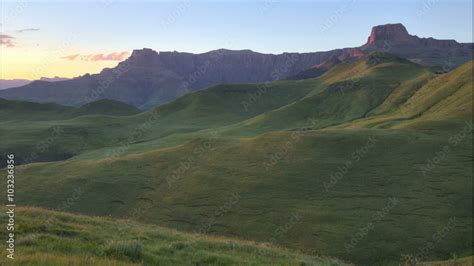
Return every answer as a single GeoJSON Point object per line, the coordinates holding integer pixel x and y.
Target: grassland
{"type": "Point", "coordinates": [334, 193]}
{"type": "Point", "coordinates": [46, 237]}
{"type": "Point", "coordinates": [468, 261]}
{"type": "Point", "coordinates": [367, 163]}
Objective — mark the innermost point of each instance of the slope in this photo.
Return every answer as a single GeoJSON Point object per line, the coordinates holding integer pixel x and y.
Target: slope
{"type": "Point", "coordinates": [106, 107]}
{"type": "Point", "coordinates": [45, 132]}
{"type": "Point", "coordinates": [435, 103]}
{"type": "Point", "coordinates": [352, 91]}
{"type": "Point", "coordinates": [70, 133]}
{"type": "Point", "coordinates": [53, 238]}
{"type": "Point", "coordinates": [323, 186]}
{"type": "Point", "coordinates": [318, 70]}
{"type": "Point", "coordinates": [21, 110]}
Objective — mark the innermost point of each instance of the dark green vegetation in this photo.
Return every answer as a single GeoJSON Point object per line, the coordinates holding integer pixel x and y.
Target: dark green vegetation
{"type": "Point", "coordinates": [365, 163]}
{"type": "Point", "coordinates": [54, 238]}
{"type": "Point", "coordinates": [467, 261]}
{"type": "Point", "coordinates": [21, 111]}
{"type": "Point", "coordinates": [34, 133]}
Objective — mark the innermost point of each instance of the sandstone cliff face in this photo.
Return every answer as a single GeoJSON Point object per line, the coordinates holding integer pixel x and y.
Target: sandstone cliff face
{"type": "Point", "coordinates": [395, 39]}
{"type": "Point", "coordinates": [149, 78]}
{"type": "Point", "coordinates": [389, 32]}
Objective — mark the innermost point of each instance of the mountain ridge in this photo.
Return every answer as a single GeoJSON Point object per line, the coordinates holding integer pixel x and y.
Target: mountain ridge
{"type": "Point", "coordinates": [148, 78]}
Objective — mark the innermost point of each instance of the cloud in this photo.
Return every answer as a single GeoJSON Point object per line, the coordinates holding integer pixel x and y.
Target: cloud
{"type": "Point", "coordinates": [115, 56]}
{"type": "Point", "coordinates": [6, 40]}
{"type": "Point", "coordinates": [27, 29]}
{"type": "Point", "coordinates": [71, 57]}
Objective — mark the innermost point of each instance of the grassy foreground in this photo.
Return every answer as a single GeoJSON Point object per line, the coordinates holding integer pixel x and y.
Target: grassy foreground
{"type": "Point", "coordinates": [47, 237]}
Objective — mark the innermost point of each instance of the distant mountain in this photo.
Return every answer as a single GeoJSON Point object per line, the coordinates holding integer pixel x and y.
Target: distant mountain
{"type": "Point", "coordinates": [11, 83]}
{"type": "Point", "coordinates": [56, 78]}
{"type": "Point", "coordinates": [149, 78]}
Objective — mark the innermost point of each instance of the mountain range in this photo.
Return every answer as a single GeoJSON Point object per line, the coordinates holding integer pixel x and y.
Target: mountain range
{"type": "Point", "coordinates": [149, 78]}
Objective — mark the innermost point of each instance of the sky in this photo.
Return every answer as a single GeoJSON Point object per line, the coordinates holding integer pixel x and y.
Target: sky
{"type": "Point", "coordinates": [71, 38]}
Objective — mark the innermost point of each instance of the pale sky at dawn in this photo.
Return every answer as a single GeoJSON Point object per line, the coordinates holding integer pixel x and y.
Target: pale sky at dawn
{"type": "Point", "coordinates": [71, 38]}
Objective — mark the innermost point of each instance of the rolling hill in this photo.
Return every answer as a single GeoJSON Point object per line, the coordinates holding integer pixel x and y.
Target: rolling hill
{"type": "Point", "coordinates": [32, 130]}
{"type": "Point", "coordinates": [55, 238]}
{"type": "Point", "coordinates": [106, 107]}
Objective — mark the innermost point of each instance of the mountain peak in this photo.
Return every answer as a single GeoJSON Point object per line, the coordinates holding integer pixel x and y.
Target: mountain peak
{"type": "Point", "coordinates": [145, 52]}
{"type": "Point", "coordinates": [389, 32]}
{"type": "Point", "coordinates": [143, 57]}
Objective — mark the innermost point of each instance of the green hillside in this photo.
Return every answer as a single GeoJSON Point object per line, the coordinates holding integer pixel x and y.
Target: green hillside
{"type": "Point", "coordinates": [50, 132]}
{"type": "Point", "coordinates": [364, 163]}
{"type": "Point", "coordinates": [20, 110]}
{"type": "Point", "coordinates": [352, 90]}
{"type": "Point", "coordinates": [54, 238]}
{"type": "Point", "coordinates": [236, 110]}
{"type": "Point", "coordinates": [437, 102]}
{"type": "Point", "coordinates": [273, 184]}
{"type": "Point", "coordinates": [106, 107]}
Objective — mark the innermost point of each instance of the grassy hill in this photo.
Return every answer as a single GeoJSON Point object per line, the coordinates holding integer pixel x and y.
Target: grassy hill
{"type": "Point", "coordinates": [106, 107]}
{"type": "Point", "coordinates": [21, 110]}
{"type": "Point", "coordinates": [352, 90]}
{"type": "Point", "coordinates": [53, 238]}
{"type": "Point", "coordinates": [50, 132]}
{"type": "Point", "coordinates": [365, 163]}
{"type": "Point", "coordinates": [345, 93]}
{"type": "Point", "coordinates": [437, 102]}
{"type": "Point", "coordinates": [318, 178]}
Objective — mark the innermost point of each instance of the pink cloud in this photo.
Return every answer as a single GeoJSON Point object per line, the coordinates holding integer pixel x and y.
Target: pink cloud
{"type": "Point", "coordinates": [115, 56]}
{"type": "Point", "coordinates": [6, 40]}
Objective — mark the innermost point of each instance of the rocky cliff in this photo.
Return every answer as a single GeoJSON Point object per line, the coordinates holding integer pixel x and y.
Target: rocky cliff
{"type": "Point", "coordinates": [148, 78]}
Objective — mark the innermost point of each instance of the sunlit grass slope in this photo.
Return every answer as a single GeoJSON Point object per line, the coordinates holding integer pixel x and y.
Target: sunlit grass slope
{"type": "Point", "coordinates": [436, 103]}
{"type": "Point", "coordinates": [53, 238]}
